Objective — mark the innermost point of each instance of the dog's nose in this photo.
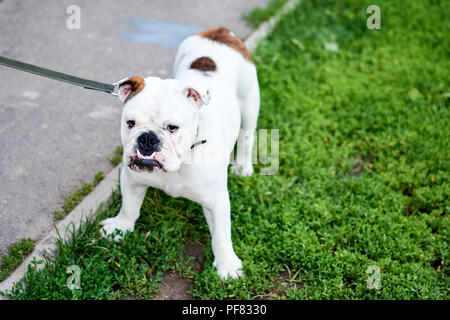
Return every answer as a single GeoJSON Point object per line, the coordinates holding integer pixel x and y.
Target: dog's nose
{"type": "Point", "coordinates": [148, 143]}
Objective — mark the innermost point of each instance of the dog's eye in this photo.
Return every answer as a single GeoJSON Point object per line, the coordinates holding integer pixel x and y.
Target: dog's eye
{"type": "Point", "coordinates": [130, 124]}
{"type": "Point", "coordinates": [171, 128]}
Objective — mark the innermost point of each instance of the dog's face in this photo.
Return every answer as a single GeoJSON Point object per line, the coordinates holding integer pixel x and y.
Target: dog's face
{"type": "Point", "coordinates": [159, 122]}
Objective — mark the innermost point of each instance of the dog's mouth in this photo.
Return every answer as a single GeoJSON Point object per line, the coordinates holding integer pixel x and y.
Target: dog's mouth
{"type": "Point", "coordinates": [140, 162]}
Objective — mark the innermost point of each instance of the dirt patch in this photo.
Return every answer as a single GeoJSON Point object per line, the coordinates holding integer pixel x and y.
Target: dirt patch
{"type": "Point", "coordinates": [175, 287]}
{"type": "Point", "coordinates": [194, 253]}
{"type": "Point", "coordinates": [285, 280]}
{"type": "Point", "coordinates": [283, 283]}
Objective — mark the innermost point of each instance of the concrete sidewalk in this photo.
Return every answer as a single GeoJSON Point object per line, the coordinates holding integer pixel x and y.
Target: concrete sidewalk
{"type": "Point", "coordinates": [55, 136]}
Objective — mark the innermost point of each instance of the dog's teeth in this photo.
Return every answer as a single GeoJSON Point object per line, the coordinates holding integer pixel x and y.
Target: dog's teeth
{"type": "Point", "coordinates": [140, 155]}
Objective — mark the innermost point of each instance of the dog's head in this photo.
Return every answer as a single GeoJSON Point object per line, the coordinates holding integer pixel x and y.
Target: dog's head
{"type": "Point", "coordinates": [159, 122]}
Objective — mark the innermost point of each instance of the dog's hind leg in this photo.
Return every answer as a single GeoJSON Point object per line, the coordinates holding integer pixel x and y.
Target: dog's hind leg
{"type": "Point", "coordinates": [249, 106]}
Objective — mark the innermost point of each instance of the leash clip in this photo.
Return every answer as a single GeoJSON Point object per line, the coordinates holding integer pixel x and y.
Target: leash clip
{"type": "Point", "coordinates": [116, 85]}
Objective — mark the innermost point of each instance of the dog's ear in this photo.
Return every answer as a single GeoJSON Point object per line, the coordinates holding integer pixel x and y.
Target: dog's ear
{"type": "Point", "coordinates": [198, 96]}
{"type": "Point", "coordinates": [128, 88]}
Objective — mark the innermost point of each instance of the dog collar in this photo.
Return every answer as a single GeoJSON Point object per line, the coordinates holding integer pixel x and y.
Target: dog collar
{"type": "Point", "coordinates": [198, 143]}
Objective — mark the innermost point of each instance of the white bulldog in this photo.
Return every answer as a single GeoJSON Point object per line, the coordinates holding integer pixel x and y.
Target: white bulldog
{"type": "Point", "coordinates": [178, 134]}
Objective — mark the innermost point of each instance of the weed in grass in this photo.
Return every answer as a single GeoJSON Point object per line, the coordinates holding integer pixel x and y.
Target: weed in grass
{"type": "Point", "coordinates": [73, 199]}
{"type": "Point", "coordinates": [98, 178]}
{"type": "Point", "coordinates": [117, 157]}
{"type": "Point", "coordinates": [16, 254]}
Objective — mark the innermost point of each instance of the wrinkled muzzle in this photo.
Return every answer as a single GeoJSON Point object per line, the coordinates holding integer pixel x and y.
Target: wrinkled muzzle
{"type": "Point", "coordinates": [148, 150]}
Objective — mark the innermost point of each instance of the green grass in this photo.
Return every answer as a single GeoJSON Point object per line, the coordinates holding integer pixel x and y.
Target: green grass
{"type": "Point", "coordinates": [363, 179]}
{"type": "Point", "coordinates": [117, 157]}
{"type": "Point", "coordinates": [16, 254]}
{"type": "Point", "coordinates": [258, 15]}
{"type": "Point", "coordinates": [73, 199]}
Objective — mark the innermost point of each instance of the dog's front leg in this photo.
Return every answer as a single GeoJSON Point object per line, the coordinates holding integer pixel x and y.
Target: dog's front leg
{"type": "Point", "coordinates": [217, 214]}
{"type": "Point", "coordinates": [133, 194]}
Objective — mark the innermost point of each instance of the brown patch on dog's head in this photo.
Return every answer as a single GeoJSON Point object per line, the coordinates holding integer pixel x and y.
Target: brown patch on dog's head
{"type": "Point", "coordinates": [203, 64]}
{"type": "Point", "coordinates": [224, 36]}
{"type": "Point", "coordinates": [131, 87]}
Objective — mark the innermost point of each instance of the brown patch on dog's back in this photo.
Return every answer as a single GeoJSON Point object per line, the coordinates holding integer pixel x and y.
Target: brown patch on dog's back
{"type": "Point", "coordinates": [203, 64]}
{"type": "Point", "coordinates": [224, 36]}
{"type": "Point", "coordinates": [137, 83]}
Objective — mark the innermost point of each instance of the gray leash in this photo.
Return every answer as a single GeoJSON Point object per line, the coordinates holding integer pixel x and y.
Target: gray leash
{"type": "Point", "coordinates": [64, 77]}
{"type": "Point", "coordinates": [85, 83]}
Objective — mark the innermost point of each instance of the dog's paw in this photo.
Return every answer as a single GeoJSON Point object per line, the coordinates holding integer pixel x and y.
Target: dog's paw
{"type": "Point", "coordinates": [109, 227]}
{"type": "Point", "coordinates": [231, 268]}
{"type": "Point", "coordinates": [245, 170]}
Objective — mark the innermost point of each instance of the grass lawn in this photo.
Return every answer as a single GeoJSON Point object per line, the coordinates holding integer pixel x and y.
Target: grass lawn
{"type": "Point", "coordinates": [363, 179]}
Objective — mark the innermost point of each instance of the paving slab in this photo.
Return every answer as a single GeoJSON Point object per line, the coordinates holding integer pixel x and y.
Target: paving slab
{"type": "Point", "coordinates": [55, 136]}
